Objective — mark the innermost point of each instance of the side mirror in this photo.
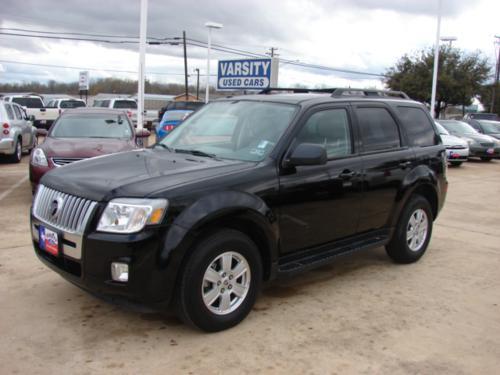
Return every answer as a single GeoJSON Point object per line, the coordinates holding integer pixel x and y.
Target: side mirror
{"type": "Point", "coordinates": [142, 133]}
{"type": "Point", "coordinates": [31, 118]}
{"type": "Point", "coordinates": [41, 132]}
{"type": "Point", "coordinates": [308, 154]}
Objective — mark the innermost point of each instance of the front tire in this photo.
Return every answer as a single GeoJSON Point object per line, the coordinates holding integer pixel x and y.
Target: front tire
{"type": "Point", "coordinates": [485, 158]}
{"type": "Point", "coordinates": [220, 281]}
{"type": "Point", "coordinates": [413, 232]}
{"type": "Point", "coordinates": [456, 163]}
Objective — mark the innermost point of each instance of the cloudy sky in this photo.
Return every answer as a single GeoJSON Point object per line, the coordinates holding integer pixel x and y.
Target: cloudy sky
{"type": "Point", "coordinates": [361, 35]}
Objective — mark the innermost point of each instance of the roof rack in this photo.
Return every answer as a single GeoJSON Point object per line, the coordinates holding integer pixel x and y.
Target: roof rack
{"type": "Point", "coordinates": [339, 92]}
{"type": "Point", "coordinates": [369, 92]}
{"type": "Point", "coordinates": [296, 90]}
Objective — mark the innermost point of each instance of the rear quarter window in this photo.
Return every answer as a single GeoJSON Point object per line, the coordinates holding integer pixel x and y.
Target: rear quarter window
{"type": "Point", "coordinates": [418, 127]}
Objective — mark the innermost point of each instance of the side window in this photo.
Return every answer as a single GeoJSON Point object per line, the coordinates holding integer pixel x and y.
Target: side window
{"type": "Point", "coordinates": [17, 112]}
{"type": "Point", "coordinates": [418, 127]}
{"type": "Point", "coordinates": [378, 129]}
{"type": "Point", "coordinates": [10, 112]}
{"type": "Point", "coordinates": [105, 103]}
{"type": "Point", "coordinates": [50, 104]}
{"type": "Point", "coordinates": [329, 128]}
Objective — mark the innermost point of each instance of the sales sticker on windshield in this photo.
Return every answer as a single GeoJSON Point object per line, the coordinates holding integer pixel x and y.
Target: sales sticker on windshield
{"type": "Point", "coordinates": [48, 240]}
{"type": "Point", "coordinates": [263, 144]}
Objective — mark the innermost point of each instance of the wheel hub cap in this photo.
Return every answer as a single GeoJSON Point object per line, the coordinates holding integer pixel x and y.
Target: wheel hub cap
{"type": "Point", "coordinates": [226, 283]}
{"type": "Point", "coordinates": [416, 232]}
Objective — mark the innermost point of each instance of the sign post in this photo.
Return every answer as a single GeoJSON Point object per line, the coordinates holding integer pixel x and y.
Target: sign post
{"type": "Point", "coordinates": [249, 74]}
{"type": "Point", "coordinates": [83, 84]}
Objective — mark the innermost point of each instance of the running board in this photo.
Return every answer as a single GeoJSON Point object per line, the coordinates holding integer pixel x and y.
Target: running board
{"type": "Point", "coordinates": [320, 256]}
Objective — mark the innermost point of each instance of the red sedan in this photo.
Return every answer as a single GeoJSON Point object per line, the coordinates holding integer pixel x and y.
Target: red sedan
{"type": "Point", "coordinates": [80, 134]}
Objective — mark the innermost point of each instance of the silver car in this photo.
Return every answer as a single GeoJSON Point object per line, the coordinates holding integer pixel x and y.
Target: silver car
{"type": "Point", "coordinates": [17, 133]}
{"type": "Point", "coordinates": [457, 150]}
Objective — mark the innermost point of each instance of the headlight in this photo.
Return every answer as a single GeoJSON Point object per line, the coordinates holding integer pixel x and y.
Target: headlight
{"type": "Point", "coordinates": [39, 158]}
{"type": "Point", "coordinates": [130, 215]}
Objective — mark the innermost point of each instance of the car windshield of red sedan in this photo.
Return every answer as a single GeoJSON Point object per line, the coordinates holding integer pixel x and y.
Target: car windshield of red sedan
{"type": "Point", "coordinates": [91, 126]}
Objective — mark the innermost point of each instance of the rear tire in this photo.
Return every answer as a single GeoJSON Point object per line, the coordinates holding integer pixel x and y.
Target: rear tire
{"type": "Point", "coordinates": [413, 232]}
{"type": "Point", "coordinates": [219, 282]}
{"type": "Point", "coordinates": [18, 152]}
{"type": "Point", "coordinates": [456, 163]}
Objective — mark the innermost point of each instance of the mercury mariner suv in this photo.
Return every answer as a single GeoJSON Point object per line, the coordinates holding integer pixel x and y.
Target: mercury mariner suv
{"type": "Point", "coordinates": [246, 190]}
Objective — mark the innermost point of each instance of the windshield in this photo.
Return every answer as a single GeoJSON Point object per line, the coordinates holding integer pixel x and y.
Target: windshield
{"type": "Point", "coordinates": [29, 102]}
{"type": "Point", "coordinates": [175, 116]}
{"type": "Point", "coordinates": [441, 129]}
{"type": "Point", "coordinates": [92, 126]}
{"type": "Point", "coordinates": [458, 127]}
{"type": "Point", "coordinates": [72, 104]}
{"type": "Point", "coordinates": [490, 127]}
{"type": "Point", "coordinates": [241, 130]}
{"type": "Point", "coordinates": [125, 104]}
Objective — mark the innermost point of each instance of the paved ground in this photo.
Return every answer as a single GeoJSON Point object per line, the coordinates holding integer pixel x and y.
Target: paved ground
{"type": "Point", "coordinates": [361, 315]}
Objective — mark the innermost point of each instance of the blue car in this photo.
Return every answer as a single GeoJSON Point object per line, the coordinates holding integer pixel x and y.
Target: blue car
{"type": "Point", "coordinates": [169, 121]}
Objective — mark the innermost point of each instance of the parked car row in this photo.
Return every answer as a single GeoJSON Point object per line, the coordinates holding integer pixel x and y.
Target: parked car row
{"type": "Point", "coordinates": [480, 145]}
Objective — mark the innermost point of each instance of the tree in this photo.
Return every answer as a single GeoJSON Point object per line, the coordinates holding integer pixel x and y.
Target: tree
{"type": "Point", "coordinates": [461, 76]}
{"type": "Point", "coordinates": [486, 92]}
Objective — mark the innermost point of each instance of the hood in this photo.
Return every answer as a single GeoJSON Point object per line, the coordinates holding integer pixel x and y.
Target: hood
{"type": "Point", "coordinates": [138, 173]}
{"type": "Point", "coordinates": [451, 140]}
{"type": "Point", "coordinates": [478, 137]}
{"type": "Point", "coordinates": [495, 135]}
{"type": "Point", "coordinates": [84, 147]}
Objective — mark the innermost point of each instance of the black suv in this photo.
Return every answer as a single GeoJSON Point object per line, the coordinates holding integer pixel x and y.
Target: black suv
{"type": "Point", "coordinates": [246, 190]}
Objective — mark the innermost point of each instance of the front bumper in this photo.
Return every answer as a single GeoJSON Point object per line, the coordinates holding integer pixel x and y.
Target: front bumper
{"type": "Point", "coordinates": [454, 154]}
{"type": "Point", "coordinates": [85, 260]}
{"type": "Point", "coordinates": [482, 151]}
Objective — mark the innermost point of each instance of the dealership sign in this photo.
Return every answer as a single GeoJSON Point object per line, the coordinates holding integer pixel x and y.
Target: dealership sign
{"type": "Point", "coordinates": [83, 81]}
{"type": "Point", "coordinates": [250, 74]}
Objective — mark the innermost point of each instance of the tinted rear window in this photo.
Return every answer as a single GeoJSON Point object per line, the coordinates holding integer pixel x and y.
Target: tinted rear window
{"type": "Point", "coordinates": [29, 102]}
{"type": "Point", "coordinates": [418, 126]}
{"type": "Point", "coordinates": [125, 104]}
{"type": "Point", "coordinates": [72, 104]}
{"type": "Point", "coordinates": [379, 131]}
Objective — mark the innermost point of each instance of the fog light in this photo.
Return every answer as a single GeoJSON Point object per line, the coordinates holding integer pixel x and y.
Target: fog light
{"type": "Point", "coordinates": [119, 272]}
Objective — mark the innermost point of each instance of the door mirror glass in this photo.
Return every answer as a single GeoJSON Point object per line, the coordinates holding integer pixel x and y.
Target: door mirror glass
{"type": "Point", "coordinates": [308, 154]}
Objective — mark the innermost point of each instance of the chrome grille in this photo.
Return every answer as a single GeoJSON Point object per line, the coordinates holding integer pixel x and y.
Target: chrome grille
{"type": "Point", "coordinates": [63, 161]}
{"type": "Point", "coordinates": [72, 215]}
{"type": "Point", "coordinates": [487, 144]}
{"type": "Point", "coordinates": [457, 147]}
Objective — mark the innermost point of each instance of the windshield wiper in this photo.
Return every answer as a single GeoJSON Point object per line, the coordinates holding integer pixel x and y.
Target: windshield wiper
{"type": "Point", "coordinates": [196, 153]}
{"type": "Point", "coordinates": [164, 146]}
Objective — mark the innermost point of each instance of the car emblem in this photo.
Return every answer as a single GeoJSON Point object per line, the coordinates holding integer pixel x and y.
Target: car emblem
{"type": "Point", "coordinates": [55, 207]}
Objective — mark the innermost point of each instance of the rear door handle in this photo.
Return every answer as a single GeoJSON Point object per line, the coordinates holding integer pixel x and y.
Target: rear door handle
{"type": "Point", "coordinates": [347, 174]}
{"type": "Point", "coordinates": [405, 164]}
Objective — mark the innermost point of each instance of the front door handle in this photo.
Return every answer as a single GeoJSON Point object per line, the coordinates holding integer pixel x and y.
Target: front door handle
{"type": "Point", "coordinates": [405, 164]}
{"type": "Point", "coordinates": [347, 174]}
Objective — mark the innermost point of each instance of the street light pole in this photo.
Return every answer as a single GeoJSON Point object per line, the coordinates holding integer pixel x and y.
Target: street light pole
{"type": "Point", "coordinates": [436, 62]}
{"type": "Point", "coordinates": [497, 76]}
{"type": "Point", "coordinates": [210, 26]}
{"type": "Point", "coordinates": [142, 62]}
{"type": "Point", "coordinates": [197, 83]}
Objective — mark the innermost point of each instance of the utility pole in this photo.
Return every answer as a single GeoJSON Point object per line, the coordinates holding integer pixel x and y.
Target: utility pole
{"type": "Point", "coordinates": [185, 66]}
{"type": "Point", "coordinates": [497, 74]}
{"type": "Point", "coordinates": [197, 83]}
{"type": "Point", "coordinates": [271, 53]}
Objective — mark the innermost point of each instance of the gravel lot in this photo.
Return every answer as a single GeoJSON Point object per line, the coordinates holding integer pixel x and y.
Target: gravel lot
{"type": "Point", "coordinates": [363, 314]}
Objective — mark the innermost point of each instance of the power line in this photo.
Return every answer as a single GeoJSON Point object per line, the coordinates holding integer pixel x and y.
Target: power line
{"type": "Point", "coordinates": [85, 68]}
{"type": "Point", "coordinates": [172, 40]}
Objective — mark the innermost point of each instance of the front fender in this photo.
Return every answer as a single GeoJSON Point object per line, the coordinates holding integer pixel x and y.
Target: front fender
{"type": "Point", "coordinates": [214, 206]}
